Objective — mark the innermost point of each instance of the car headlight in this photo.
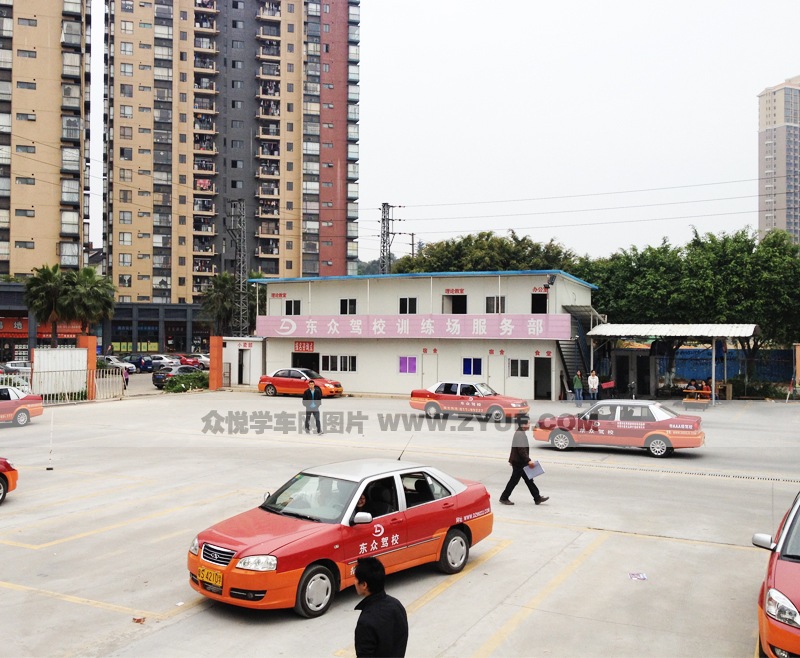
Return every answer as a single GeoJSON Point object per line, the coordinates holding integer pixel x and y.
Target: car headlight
{"type": "Point", "coordinates": [781, 608]}
{"type": "Point", "coordinates": [519, 404]}
{"type": "Point", "coordinates": [194, 549]}
{"type": "Point", "coordinates": [329, 386]}
{"type": "Point", "coordinates": [258, 563]}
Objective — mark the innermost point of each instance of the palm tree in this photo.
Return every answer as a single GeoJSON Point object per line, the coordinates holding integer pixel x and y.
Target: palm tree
{"type": "Point", "coordinates": [219, 302]}
{"type": "Point", "coordinates": [90, 297]}
{"type": "Point", "coordinates": [44, 296]}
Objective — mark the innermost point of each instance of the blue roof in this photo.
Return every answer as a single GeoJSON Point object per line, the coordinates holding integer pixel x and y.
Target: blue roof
{"type": "Point", "coordinates": [413, 275]}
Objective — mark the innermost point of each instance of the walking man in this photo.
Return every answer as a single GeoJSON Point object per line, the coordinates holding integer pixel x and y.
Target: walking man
{"type": "Point", "coordinates": [312, 399]}
{"type": "Point", "coordinates": [382, 627]}
{"type": "Point", "coordinates": [519, 459]}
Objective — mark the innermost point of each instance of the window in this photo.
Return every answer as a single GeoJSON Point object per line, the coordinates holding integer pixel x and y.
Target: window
{"type": "Point", "coordinates": [471, 366]}
{"type": "Point", "coordinates": [30, 22]}
{"type": "Point", "coordinates": [236, 105]}
{"type": "Point", "coordinates": [126, 27]}
{"type": "Point", "coordinates": [347, 307]}
{"type": "Point", "coordinates": [236, 123]}
{"type": "Point", "coordinates": [126, 91]}
{"type": "Point", "coordinates": [125, 217]}
{"type": "Point", "coordinates": [496, 304]}
{"type": "Point", "coordinates": [238, 25]}
{"type": "Point", "coordinates": [408, 305]}
{"type": "Point", "coordinates": [518, 368]}
{"type": "Point", "coordinates": [237, 45]}
{"type": "Point", "coordinates": [30, 54]}
{"type": "Point", "coordinates": [538, 302]}
{"type": "Point", "coordinates": [292, 307]}
{"type": "Point", "coordinates": [334, 363]}
{"type": "Point", "coordinates": [237, 143]}
{"type": "Point", "coordinates": [125, 260]}
{"type": "Point", "coordinates": [126, 238]}
{"type": "Point", "coordinates": [408, 365]}
{"type": "Point", "coordinates": [237, 84]}
{"type": "Point", "coordinates": [237, 64]}
{"type": "Point", "coordinates": [25, 180]}
{"type": "Point", "coordinates": [21, 84]}
{"type": "Point", "coordinates": [126, 48]}
{"type": "Point", "coordinates": [125, 196]}
{"type": "Point", "coordinates": [126, 111]}
{"type": "Point", "coordinates": [24, 244]}
{"type": "Point", "coordinates": [124, 281]}
{"type": "Point", "coordinates": [126, 70]}
{"type": "Point", "coordinates": [24, 212]}
{"type": "Point", "coordinates": [25, 116]}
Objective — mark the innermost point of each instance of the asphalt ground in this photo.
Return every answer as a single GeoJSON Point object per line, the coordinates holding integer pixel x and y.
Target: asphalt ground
{"type": "Point", "coordinates": [631, 556]}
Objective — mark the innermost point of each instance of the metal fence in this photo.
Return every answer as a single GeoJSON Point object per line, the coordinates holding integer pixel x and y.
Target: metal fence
{"type": "Point", "coordinates": [60, 386]}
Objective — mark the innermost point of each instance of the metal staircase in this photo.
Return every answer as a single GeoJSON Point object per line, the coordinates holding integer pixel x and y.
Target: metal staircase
{"type": "Point", "coordinates": [575, 353]}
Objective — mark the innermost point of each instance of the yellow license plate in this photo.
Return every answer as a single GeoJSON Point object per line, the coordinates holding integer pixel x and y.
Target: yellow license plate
{"type": "Point", "coordinates": [209, 576]}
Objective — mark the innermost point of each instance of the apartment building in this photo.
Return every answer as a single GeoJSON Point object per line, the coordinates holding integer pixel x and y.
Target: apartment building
{"type": "Point", "coordinates": [779, 158]}
{"type": "Point", "coordinates": [44, 133]}
{"type": "Point", "coordinates": [226, 109]}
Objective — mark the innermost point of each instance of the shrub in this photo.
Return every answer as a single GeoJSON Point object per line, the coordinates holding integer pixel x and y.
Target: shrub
{"type": "Point", "coordinates": [753, 388]}
{"type": "Point", "coordinates": [183, 383]}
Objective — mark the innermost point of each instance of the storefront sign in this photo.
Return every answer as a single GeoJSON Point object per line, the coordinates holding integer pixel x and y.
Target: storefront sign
{"type": "Point", "coordinates": [18, 328]}
{"type": "Point", "coordinates": [304, 346]}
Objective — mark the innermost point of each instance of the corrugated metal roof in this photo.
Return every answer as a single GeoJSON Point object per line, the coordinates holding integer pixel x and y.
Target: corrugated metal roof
{"type": "Point", "coordinates": [667, 330]}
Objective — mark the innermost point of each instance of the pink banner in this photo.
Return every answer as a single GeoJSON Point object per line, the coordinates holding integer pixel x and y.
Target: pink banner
{"type": "Point", "coordinates": [540, 327]}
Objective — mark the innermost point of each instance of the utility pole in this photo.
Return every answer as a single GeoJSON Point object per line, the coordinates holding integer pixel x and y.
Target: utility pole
{"type": "Point", "coordinates": [236, 228]}
{"type": "Point", "coordinates": [386, 240]}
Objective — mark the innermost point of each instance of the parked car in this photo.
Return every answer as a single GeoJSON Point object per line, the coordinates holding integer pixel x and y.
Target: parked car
{"type": "Point", "coordinates": [626, 423]}
{"type": "Point", "coordinates": [17, 381]}
{"type": "Point", "coordinates": [142, 362]}
{"type": "Point", "coordinates": [18, 407]}
{"type": "Point", "coordinates": [470, 398]}
{"type": "Point", "coordinates": [297, 549]}
{"type": "Point", "coordinates": [20, 367]}
{"type": "Point", "coordinates": [188, 360]}
{"type": "Point", "coordinates": [161, 375]}
{"type": "Point", "coordinates": [115, 362]}
{"type": "Point", "coordinates": [204, 359]}
{"type": "Point", "coordinates": [8, 478]}
{"type": "Point", "coordinates": [779, 596]}
{"type": "Point", "coordinates": [8, 370]}
{"type": "Point", "coordinates": [294, 381]}
{"type": "Point", "coordinates": [161, 360]}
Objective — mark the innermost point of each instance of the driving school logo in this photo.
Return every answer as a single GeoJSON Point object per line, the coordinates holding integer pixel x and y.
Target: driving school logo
{"type": "Point", "coordinates": [378, 530]}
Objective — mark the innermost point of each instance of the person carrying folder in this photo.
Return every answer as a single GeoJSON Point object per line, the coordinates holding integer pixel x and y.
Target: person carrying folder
{"type": "Point", "coordinates": [519, 459]}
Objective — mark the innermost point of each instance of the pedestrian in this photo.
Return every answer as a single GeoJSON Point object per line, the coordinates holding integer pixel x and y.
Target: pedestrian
{"type": "Point", "coordinates": [577, 387]}
{"type": "Point", "coordinates": [382, 627]}
{"type": "Point", "coordinates": [312, 399]}
{"type": "Point", "coordinates": [519, 459]}
{"type": "Point", "coordinates": [594, 384]}
{"type": "Point", "coordinates": [125, 377]}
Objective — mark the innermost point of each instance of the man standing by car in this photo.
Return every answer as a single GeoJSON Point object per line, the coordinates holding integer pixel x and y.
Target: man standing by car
{"type": "Point", "coordinates": [312, 399]}
{"type": "Point", "coordinates": [382, 627]}
{"type": "Point", "coordinates": [519, 459]}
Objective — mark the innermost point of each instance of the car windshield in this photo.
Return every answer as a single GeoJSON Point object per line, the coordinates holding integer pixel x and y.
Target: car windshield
{"type": "Point", "coordinates": [312, 497]}
{"type": "Point", "coordinates": [485, 389]}
{"type": "Point", "coordinates": [311, 374]}
{"type": "Point", "coordinates": [791, 543]}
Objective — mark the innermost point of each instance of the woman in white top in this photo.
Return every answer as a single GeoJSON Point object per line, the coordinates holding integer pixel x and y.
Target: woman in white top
{"type": "Point", "coordinates": [594, 383]}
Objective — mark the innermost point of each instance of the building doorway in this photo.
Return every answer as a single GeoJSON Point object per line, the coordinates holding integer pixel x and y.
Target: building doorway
{"type": "Point", "coordinates": [306, 360]}
{"type": "Point", "coordinates": [542, 378]}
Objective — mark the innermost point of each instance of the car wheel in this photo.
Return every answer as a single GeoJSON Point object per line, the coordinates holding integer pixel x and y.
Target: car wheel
{"type": "Point", "coordinates": [496, 414]}
{"type": "Point", "coordinates": [455, 552]}
{"type": "Point", "coordinates": [315, 592]}
{"type": "Point", "coordinates": [561, 440]}
{"type": "Point", "coordinates": [3, 487]}
{"type": "Point", "coordinates": [270, 390]}
{"type": "Point", "coordinates": [159, 387]}
{"type": "Point", "coordinates": [432, 410]}
{"type": "Point", "coordinates": [658, 446]}
{"type": "Point", "coordinates": [21, 418]}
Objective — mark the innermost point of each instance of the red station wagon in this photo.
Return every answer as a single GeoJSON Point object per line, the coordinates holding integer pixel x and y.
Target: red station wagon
{"type": "Point", "coordinates": [625, 423]}
{"type": "Point", "coordinates": [470, 398]}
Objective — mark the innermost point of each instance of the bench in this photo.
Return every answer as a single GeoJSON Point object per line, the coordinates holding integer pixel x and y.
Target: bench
{"type": "Point", "coordinates": [699, 399]}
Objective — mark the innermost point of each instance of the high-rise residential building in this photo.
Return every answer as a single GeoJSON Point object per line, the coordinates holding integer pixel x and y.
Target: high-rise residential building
{"type": "Point", "coordinates": [216, 107]}
{"type": "Point", "coordinates": [44, 133]}
{"type": "Point", "coordinates": [779, 158]}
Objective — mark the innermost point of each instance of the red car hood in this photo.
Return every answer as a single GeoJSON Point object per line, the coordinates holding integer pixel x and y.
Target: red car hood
{"type": "Point", "coordinates": [258, 532]}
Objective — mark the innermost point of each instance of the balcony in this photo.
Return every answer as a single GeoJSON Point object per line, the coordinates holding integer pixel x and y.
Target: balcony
{"type": "Point", "coordinates": [268, 109]}
{"type": "Point", "coordinates": [205, 45]}
{"type": "Point", "coordinates": [269, 32]}
{"type": "Point", "coordinates": [205, 64]}
{"type": "Point", "coordinates": [206, 166]}
{"type": "Point", "coordinates": [268, 189]}
{"type": "Point", "coordinates": [269, 71]}
{"type": "Point", "coordinates": [206, 105]}
{"type": "Point", "coordinates": [72, 7]}
{"type": "Point", "coordinates": [268, 171]}
{"type": "Point", "coordinates": [205, 25]}
{"type": "Point", "coordinates": [204, 266]}
{"type": "Point", "coordinates": [204, 227]}
{"type": "Point", "coordinates": [204, 186]}
{"type": "Point", "coordinates": [270, 50]}
{"type": "Point", "coordinates": [205, 146]}
{"type": "Point", "coordinates": [267, 229]}
{"type": "Point", "coordinates": [267, 209]}
{"type": "Point", "coordinates": [206, 6]}
{"type": "Point", "coordinates": [269, 129]}
{"type": "Point", "coordinates": [270, 88]}
{"type": "Point", "coordinates": [203, 124]}
{"type": "Point", "coordinates": [203, 207]}
{"type": "Point", "coordinates": [271, 11]}
{"type": "Point", "coordinates": [267, 252]}
{"type": "Point", "coordinates": [203, 246]}
{"type": "Point", "coordinates": [205, 86]}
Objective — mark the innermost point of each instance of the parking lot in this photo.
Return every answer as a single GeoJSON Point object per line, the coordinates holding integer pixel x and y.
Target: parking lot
{"type": "Point", "coordinates": [632, 556]}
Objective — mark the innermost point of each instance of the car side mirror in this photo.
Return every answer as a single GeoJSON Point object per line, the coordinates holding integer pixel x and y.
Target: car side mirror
{"type": "Point", "coordinates": [361, 518]}
{"type": "Point", "coordinates": [763, 540]}
{"type": "Point", "coordinates": [267, 495]}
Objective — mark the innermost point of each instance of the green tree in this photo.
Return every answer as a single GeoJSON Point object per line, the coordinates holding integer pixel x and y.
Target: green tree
{"type": "Point", "coordinates": [46, 299]}
{"type": "Point", "coordinates": [219, 303]}
{"type": "Point", "coordinates": [89, 297]}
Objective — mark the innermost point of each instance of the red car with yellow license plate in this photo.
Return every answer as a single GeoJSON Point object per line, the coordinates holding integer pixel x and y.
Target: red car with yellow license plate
{"type": "Point", "coordinates": [8, 478]}
{"type": "Point", "coordinates": [779, 596]}
{"type": "Point", "coordinates": [300, 546]}
{"type": "Point", "coordinates": [294, 381]}
{"type": "Point", "coordinates": [18, 407]}
{"type": "Point", "coordinates": [623, 423]}
{"type": "Point", "coordinates": [469, 398]}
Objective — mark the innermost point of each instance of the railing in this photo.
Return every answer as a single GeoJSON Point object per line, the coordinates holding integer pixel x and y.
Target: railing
{"type": "Point", "coordinates": [60, 386]}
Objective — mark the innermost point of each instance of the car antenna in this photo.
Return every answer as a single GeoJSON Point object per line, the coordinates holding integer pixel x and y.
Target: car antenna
{"type": "Point", "coordinates": [404, 447]}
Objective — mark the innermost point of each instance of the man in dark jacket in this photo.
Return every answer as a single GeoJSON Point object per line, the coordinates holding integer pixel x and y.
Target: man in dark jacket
{"type": "Point", "coordinates": [312, 399]}
{"type": "Point", "coordinates": [382, 627]}
{"type": "Point", "coordinates": [519, 459]}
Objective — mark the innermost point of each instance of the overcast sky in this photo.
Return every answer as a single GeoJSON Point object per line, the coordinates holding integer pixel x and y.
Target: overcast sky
{"type": "Point", "coordinates": [531, 115]}
{"type": "Point", "coordinates": [550, 118]}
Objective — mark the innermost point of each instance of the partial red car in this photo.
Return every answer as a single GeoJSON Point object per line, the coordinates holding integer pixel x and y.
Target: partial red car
{"type": "Point", "coordinates": [300, 546]}
{"type": "Point", "coordinates": [8, 478]}
{"type": "Point", "coordinates": [779, 596]}
{"type": "Point", "coordinates": [625, 423]}
{"type": "Point", "coordinates": [469, 398]}
{"type": "Point", "coordinates": [18, 407]}
{"type": "Point", "coordinates": [294, 381]}
{"type": "Point", "coordinates": [187, 360]}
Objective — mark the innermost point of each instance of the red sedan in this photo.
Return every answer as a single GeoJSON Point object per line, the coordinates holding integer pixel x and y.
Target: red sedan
{"type": "Point", "coordinates": [470, 398]}
{"type": "Point", "coordinates": [294, 381]}
{"type": "Point", "coordinates": [18, 407]}
{"type": "Point", "coordinates": [300, 546]}
{"type": "Point", "coordinates": [779, 596]}
{"type": "Point", "coordinates": [187, 360]}
{"type": "Point", "coordinates": [8, 478]}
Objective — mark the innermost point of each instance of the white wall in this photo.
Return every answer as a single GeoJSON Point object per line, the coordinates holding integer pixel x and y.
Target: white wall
{"type": "Point", "coordinates": [245, 351]}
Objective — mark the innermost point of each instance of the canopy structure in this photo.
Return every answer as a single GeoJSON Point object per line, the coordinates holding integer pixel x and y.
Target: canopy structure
{"type": "Point", "coordinates": [712, 332]}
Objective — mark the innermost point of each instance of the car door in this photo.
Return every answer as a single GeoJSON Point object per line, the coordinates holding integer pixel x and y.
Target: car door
{"type": "Point", "coordinates": [638, 418]}
{"type": "Point", "coordinates": [447, 396]}
{"type": "Point", "coordinates": [385, 536]}
{"type": "Point", "coordinates": [299, 382]}
{"type": "Point", "coordinates": [431, 508]}
{"type": "Point", "coordinates": [280, 381]}
{"type": "Point", "coordinates": [598, 425]}
{"type": "Point", "coordinates": [8, 404]}
{"type": "Point", "coordinates": [470, 401]}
